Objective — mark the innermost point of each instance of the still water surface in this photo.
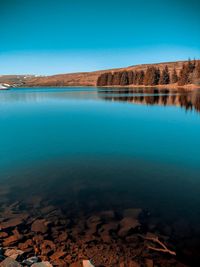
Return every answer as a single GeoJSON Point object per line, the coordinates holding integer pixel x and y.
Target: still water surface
{"type": "Point", "coordinates": [92, 149]}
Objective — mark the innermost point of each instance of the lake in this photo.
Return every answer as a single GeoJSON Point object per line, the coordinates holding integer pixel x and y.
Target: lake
{"type": "Point", "coordinates": [87, 150]}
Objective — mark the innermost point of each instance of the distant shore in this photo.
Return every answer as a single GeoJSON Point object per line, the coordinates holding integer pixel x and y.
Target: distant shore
{"type": "Point", "coordinates": [167, 86]}
{"type": "Point", "coordinates": [172, 75]}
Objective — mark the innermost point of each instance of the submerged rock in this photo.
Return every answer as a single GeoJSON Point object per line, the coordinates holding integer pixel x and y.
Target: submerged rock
{"type": "Point", "coordinates": [48, 209]}
{"type": "Point", "coordinates": [11, 223]}
{"type": "Point", "coordinates": [149, 262]}
{"type": "Point", "coordinates": [92, 224]}
{"type": "Point", "coordinates": [87, 263]}
{"type": "Point", "coordinates": [57, 255]}
{"type": "Point", "coordinates": [27, 244]}
{"type": "Point", "coordinates": [132, 263]}
{"type": "Point", "coordinates": [16, 237]}
{"type": "Point", "coordinates": [39, 226]}
{"type": "Point", "coordinates": [3, 234]}
{"type": "Point", "coordinates": [129, 222]}
{"type": "Point", "coordinates": [105, 231]}
{"type": "Point", "coordinates": [13, 253]}
{"type": "Point", "coordinates": [42, 264]}
{"type": "Point", "coordinates": [126, 225]}
{"type": "Point", "coordinates": [31, 261]}
{"type": "Point", "coordinates": [47, 247]}
{"type": "Point", "coordinates": [93, 221]}
{"type": "Point", "coordinates": [9, 262]}
{"type": "Point", "coordinates": [76, 264]}
{"type": "Point", "coordinates": [62, 237]}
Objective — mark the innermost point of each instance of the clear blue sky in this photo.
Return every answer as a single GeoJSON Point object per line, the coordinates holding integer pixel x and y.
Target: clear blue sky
{"type": "Point", "coordinates": [58, 36]}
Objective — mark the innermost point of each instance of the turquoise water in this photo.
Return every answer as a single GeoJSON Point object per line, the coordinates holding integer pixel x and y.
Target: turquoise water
{"type": "Point", "coordinates": [100, 149]}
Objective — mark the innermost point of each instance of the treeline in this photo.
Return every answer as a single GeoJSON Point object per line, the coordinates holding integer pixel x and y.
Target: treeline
{"type": "Point", "coordinates": [190, 73]}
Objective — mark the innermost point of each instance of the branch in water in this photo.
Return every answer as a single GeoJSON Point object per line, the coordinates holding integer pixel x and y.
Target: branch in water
{"type": "Point", "coordinates": [156, 240]}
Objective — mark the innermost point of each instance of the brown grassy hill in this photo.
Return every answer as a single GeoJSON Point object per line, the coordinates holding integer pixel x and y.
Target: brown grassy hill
{"type": "Point", "coordinates": [78, 79]}
{"type": "Point", "coordinates": [90, 78]}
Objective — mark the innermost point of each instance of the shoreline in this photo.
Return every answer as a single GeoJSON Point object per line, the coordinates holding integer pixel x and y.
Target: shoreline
{"type": "Point", "coordinates": [167, 86]}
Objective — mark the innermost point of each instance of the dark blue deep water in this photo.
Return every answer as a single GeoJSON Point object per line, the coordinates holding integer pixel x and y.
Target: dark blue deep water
{"type": "Point", "coordinates": [91, 149]}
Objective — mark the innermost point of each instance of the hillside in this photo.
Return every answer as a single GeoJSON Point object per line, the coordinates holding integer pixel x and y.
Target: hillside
{"type": "Point", "coordinates": [90, 78]}
{"type": "Point", "coordinates": [82, 78]}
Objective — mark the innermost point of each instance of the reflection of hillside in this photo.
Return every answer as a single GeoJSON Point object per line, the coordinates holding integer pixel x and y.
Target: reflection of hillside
{"type": "Point", "coordinates": [41, 95]}
{"type": "Point", "coordinates": [188, 100]}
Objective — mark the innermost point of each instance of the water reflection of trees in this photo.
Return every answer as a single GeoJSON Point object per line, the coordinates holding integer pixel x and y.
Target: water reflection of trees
{"type": "Point", "coordinates": [190, 100]}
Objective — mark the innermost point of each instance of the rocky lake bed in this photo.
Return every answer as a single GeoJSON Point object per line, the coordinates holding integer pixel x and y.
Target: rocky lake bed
{"type": "Point", "coordinates": [37, 234]}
